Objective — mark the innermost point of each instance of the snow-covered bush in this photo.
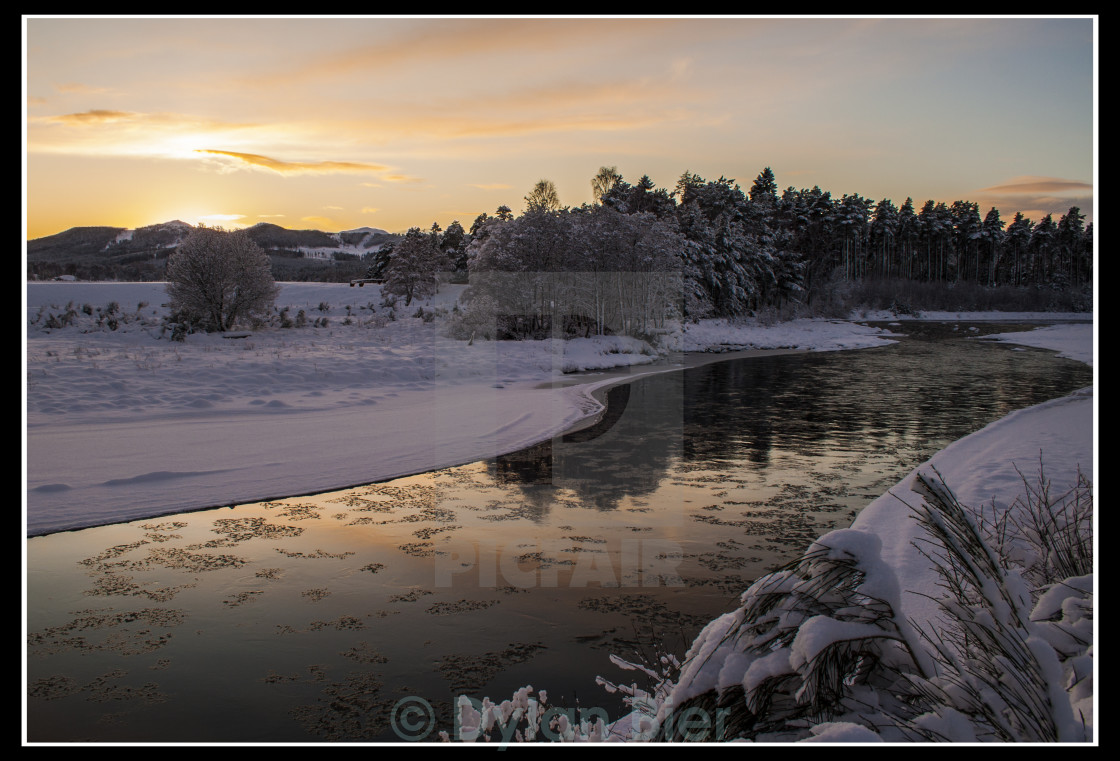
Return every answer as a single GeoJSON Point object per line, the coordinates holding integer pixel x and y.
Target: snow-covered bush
{"type": "Point", "coordinates": [217, 278]}
{"type": "Point", "coordinates": [812, 642]}
{"type": "Point", "coordinates": [476, 319]}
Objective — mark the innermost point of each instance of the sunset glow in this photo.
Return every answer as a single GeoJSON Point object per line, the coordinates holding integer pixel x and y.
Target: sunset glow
{"type": "Point", "coordinates": [338, 123]}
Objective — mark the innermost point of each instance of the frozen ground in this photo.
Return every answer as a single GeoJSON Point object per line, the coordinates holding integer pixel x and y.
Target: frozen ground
{"type": "Point", "coordinates": [125, 424]}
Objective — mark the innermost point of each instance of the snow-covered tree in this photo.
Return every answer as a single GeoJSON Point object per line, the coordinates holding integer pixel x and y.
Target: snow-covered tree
{"type": "Point", "coordinates": [966, 238]}
{"type": "Point", "coordinates": [883, 234]}
{"type": "Point", "coordinates": [414, 268]}
{"type": "Point", "coordinates": [1017, 241]}
{"type": "Point", "coordinates": [454, 244]}
{"type": "Point", "coordinates": [217, 278]}
{"type": "Point", "coordinates": [1043, 242]}
{"type": "Point", "coordinates": [1069, 236]}
{"type": "Point", "coordinates": [765, 187]}
{"type": "Point", "coordinates": [991, 237]}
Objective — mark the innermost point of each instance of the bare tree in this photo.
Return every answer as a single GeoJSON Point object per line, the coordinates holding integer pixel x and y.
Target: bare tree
{"type": "Point", "coordinates": [543, 197]}
{"type": "Point", "coordinates": [605, 179]}
{"type": "Point", "coordinates": [216, 278]}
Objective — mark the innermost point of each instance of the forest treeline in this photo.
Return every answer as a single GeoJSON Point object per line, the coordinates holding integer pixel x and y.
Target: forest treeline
{"type": "Point", "coordinates": [638, 254]}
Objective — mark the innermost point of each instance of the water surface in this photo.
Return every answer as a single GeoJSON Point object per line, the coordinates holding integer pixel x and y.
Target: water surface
{"type": "Point", "coordinates": [315, 618]}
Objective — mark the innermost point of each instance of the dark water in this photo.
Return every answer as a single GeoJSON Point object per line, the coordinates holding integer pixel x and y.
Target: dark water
{"type": "Point", "coordinates": [323, 618]}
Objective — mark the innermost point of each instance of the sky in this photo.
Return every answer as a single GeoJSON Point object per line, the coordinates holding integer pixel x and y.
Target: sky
{"type": "Point", "coordinates": [339, 123]}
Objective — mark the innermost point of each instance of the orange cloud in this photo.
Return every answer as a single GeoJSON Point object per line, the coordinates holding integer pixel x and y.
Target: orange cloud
{"type": "Point", "coordinates": [454, 40]}
{"type": "Point", "coordinates": [1038, 185]}
{"type": "Point", "coordinates": [77, 87]}
{"type": "Point", "coordinates": [296, 167]}
{"type": "Point", "coordinates": [95, 116]}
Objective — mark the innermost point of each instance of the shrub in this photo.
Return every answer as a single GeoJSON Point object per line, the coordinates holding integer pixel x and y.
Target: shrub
{"type": "Point", "coordinates": [218, 278]}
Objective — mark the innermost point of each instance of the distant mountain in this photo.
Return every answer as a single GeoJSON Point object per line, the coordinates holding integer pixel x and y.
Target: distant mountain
{"type": "Point", "coordinates": [107, 243]}
{"type": "Point", "coordinates": [375, 230]}
{"type": "Point", "coordinates": [102, 252]}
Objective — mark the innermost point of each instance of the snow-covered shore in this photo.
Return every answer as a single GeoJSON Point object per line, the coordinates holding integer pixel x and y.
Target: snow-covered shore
{"type": "Point", "coordinates": [124, 424]}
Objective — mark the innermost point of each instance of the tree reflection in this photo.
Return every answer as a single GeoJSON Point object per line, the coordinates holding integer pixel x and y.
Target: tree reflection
{"type": "Point", "coordinates": [916, 394]}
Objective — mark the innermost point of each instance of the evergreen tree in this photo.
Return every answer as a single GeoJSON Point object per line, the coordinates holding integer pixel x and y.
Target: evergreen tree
{"type": "Point", "coordinates": [908, 233]}
{"type": "Point", "coordinates": [991, 237]}
{"type": "Point", "coordinates": [883, 233]}
{"type": "Point", "coordinates": [851, 218]}
{"type": "Point", "coordinates": [1043, 240]}
{"type": "Point", "coordinates": [413, 270]}
{"type": "Point", "coordinates": [966, 236]}
{"type": "Point", "coordinates": [478, 223]}
{"type": "Point", "coordinates": [379, 260]}
{"type": "Point", "coordinates": [1069, 236]}
{"type": "Point", "coordinates": [636, 199]}
{"type": "Point", "coordinates": [1017, 241]}
{"type": "Point", "coordinates": [453, 245]}
{"type": "Point", "coordinates": [765, 188]}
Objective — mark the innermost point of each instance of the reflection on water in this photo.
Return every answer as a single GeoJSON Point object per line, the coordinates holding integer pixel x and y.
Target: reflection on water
{"type": "Point", "coordinates": [313, 618]}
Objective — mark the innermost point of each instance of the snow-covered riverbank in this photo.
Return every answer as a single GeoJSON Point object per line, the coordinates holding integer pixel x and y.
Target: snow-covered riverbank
{"type": "Point", "coordinates": [123, 424]}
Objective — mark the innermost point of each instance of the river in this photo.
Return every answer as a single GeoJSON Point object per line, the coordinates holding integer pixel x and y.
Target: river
{"type": "Point", "coordinates": [323, 618]}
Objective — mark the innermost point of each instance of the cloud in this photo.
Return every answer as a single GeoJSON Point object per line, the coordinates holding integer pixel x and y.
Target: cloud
{"type": "Point", "coordinates": [222, 217]}
{"type": "Point", "coordinates": [1032, 185]}
{"type": "Point", "coordinates": [402, 178]}
{"type": "Point", "coordinates": [95, 116]}
{"type": "Point", "coordinates": [370, 210]}
{"type": "Point", "coordinates": [490, 186]}
{"type": "Point", "coordinates": [295, 167]}
{"type": "Point", "coordinates": [80, 89]}
{"type": "Point", "coordinates": [450, 40]}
